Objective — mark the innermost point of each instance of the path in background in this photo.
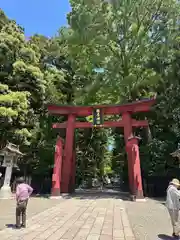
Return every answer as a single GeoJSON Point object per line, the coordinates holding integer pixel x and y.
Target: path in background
{"type": "Point", "coordinates": [78, 218]}
{"type": "Point", "coordinates": [149, 219]}
{"type": "Point", "coordinates": [35, 205]}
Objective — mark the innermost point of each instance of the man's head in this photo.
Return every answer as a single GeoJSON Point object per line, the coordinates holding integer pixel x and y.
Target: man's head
{"type": "Point", "coordinates": [20, 180]}
{"type": "Point", "coordinates": [175, 182]}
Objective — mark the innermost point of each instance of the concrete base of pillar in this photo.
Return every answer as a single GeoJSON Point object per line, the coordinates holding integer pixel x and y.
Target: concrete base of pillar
{"type": "Point", "coordinates": [135, 199]}
{"type": "Point", "coordinates": [139, 196]}
{"type": "Point", "coordinates": [55, 192]}
{"type": "Point", "coordinates": [55, 197]}
{"type": "Point", "coordinates": [140, 200]}
{"type": "Point", "coordinates": [62, 196]}
{"type": "Point", "coordinates": [5, 192]}
{"type": "Point", "coordinates": [65, 195]}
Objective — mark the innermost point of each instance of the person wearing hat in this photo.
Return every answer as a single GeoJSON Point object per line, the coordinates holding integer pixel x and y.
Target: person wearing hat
{"type": "Point", "coordinates": [23, 192]}
{"type": "Point", "coordinates": [173, 205]}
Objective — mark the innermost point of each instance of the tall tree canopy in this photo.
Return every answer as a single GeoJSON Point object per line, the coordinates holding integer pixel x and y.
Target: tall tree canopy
{"type": "Point", "coordinates": [122, 37]}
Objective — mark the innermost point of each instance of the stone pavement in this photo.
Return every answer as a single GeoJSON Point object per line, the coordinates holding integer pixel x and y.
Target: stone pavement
{"type": "Point", "coordinates": [35, 206]}
{"type": "Point", "coordinates": [94, 218]}
{"type": "Point", "coordinates": [149, 220]}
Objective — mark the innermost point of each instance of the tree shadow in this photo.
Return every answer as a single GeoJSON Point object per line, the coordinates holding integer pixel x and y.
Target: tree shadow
{"type": "Point", "coordinates": [37, 195]}
{"type": "Point", "coordinates": [90, 193]}
{"type": "Point", "coordinates": [165, 237]}
{"type": "Point", "coordinates": [97, 194]}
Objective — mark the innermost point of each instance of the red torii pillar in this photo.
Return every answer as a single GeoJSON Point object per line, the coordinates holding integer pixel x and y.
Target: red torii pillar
{"type": "Point", "coordinates": [73, 172]}
{"type": "Point", "coordinates": [133, 152]}
{"type": "Point", "coordinates": [126, 118]}
{"type": "Point", "coordinates": [56, 178]}
{"type": "Point", "coordinates": [68, 155]}
{"type": "Point", "coordinates": [72, 176]}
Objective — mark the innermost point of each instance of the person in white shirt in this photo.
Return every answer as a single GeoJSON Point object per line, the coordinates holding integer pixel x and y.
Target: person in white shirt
{"type": "Point", "coordinates": [173, 205]}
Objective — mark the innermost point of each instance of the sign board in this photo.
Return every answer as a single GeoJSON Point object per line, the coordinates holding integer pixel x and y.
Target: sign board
{"type": "Point", "coordinates": [97, 117]}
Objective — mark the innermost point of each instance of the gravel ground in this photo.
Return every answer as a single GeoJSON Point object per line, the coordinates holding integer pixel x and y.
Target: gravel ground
{"type": "Point", "coordinates": [149, 220]}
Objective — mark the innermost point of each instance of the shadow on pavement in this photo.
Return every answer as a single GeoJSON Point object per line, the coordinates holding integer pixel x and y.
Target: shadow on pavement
{"type": "Point", "coordinates": [165, 237]}
{"type": "Point", "coordinates": [98, 194]}
{"type": "Point", "coordinates": [40, 195]}
{"type": "Point", "coordinates": [91, 194]}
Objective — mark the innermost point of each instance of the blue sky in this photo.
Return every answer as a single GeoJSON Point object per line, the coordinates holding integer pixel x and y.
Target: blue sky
{"type": "Point", "coordinates": [37, 16]}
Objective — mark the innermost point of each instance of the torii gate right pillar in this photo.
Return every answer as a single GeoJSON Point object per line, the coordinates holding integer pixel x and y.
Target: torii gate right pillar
{"type": "Point", "coordinates": [68, 154]}
{"type": "Point", "coordinates": [132, 149]}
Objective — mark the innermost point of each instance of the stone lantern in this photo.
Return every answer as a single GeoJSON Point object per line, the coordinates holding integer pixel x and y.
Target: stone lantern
{"type": "Point", "coordinates": [9, 154]}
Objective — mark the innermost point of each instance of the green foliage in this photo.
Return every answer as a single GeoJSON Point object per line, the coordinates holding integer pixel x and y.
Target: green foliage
{"type": "Point", "coordinates": [122, 38]}
{"type": "Point", "coordinates": [89, 163]}
{"type": "Point", "coordinates": [3, 19]}
{"type": "Point", "coordinates": [136, 42]}
{"type": "Point", "coordinates": [137, 45]}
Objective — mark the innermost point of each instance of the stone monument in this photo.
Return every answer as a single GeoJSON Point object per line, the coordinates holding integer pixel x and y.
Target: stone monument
{"type": "Point", "coordinates": [10, 154]}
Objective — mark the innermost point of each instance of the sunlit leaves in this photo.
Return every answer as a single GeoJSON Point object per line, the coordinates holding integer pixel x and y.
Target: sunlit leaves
{"type": "Point", "coordinates": [22, 83]}
{"type": "Point", "coordinates": [122, 38]}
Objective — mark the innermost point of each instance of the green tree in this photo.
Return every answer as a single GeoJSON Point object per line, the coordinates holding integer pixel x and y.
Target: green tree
{"type": "Point", "coordinates": [13, 110]}
{"type": "Point", "coordinates": [3, 19]}
{"type": "Point", "coordinates": [93, 158]}
{"type": "Point", "coordinates": [14, 102]}
{"type": "Point", "coordinates": [121, 37]}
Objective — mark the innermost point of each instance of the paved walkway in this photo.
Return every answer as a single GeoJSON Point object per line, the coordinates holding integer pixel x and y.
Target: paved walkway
{"type": "Point", "coordinates": [88, 217]}
{"type": "Point", "coordinates": [94, 218]}
{"type": "Point", "coordinates": [149, 220]}
{"type": "Point", "coordinates": [35, 206]}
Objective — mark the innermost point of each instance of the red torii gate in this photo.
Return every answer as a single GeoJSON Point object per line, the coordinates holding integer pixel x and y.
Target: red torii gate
{"type": "Point", "coordinates": [64, 167]}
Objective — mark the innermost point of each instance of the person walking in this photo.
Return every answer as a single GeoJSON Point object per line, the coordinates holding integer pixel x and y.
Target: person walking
{"type": "Point", "coordinates": [23, 192]}
{"type": "Point", "coordinates": [173, 205]}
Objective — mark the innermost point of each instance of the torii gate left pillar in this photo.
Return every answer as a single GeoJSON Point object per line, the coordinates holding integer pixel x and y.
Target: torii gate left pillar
{"type": "Point", "coordinates": [64, 163]}
{"type": "Point", "coordinates": [56, 178]}
{"type": "Point", "coordinates": [132, 150]}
